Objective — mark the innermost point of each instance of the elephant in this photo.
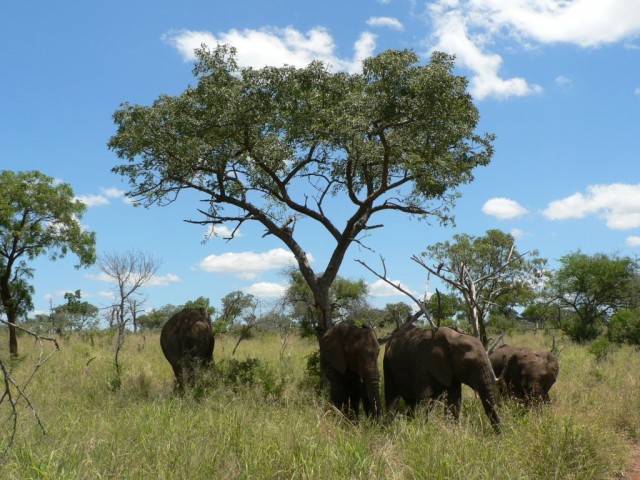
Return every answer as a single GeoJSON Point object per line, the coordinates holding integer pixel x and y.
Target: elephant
{"type": "Point", "coordinates": [421, 364]}
{"type": "Point", "coordinates": [349, 359]}
{"type": "Point", "coordinates": [187, 342]}
{"type": "Point", "coordinates": [525, 374]}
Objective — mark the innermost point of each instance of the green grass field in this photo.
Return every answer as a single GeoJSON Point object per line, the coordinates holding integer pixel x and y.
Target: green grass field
{"type": "Point", "coordinates": [273, 427]}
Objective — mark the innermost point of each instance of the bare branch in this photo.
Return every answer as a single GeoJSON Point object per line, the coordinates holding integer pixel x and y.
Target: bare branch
{"type": "Point", "coordinates": [11, 384]}
{"type": "Point", "coordinates": [397, 286]}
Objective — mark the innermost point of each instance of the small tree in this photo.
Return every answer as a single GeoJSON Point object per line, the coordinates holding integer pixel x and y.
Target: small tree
{"type": "Point", "coordinates": [154, 319]}
{"type": "Point", "coordinates": [130, 271]}
{"type": "Point", "coordinates": [37, 216]}
{"type": "Point", "coordinates": [286, 146]}
{"type": "Point", "coordinates": [590, 288]}
{"type": "Point", "coordinates": [487, 271]}
{"type": "Point", "coordinates": [75, 315]}
{"type": "Point", "coordinates": [346, 299]}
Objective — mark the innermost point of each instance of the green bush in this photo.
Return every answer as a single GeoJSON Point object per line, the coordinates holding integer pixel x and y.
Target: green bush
{"type": "Point", "coordinates": [624, 327]}
{"type": "Point", "coordinates": [312, 378]}
{"type": "Point", "coordinates": [251, 372]}
{"type": "Point", "coordinates": [601, 347]}
{"type": "Point", "coordinates": [581, 331]}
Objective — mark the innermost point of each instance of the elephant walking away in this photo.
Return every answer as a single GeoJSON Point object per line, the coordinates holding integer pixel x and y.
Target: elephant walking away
{"type": "Point", "coordinates": [525, 374]}
{"type": "Point", "coordinates": [187, 342]}
{"type": "Point", "coordinates": [349, 359]}
{"type": "Point", "coordinates": [422, 364]}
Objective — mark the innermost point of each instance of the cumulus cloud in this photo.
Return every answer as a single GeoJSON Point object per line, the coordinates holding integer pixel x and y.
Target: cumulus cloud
{"type": "Point", "coordinates": [275, 46]}
{"type": "Point", "coordinates": [617, 203]}
{"type": "Point", "coordinates": [93, 200]}
{"type": "Point", "coordinates": [517, 233]}
{"type": "Point", "coordinates": [469, 29]}
{"type": "Point", "coordinates": [221, 231]}
{"type": "Point", "coordinates": [248, 264]}
{"type": "Point", "coordinates": [267, 289]}
{"type": "Point", "coordinates": [633, 241]}
{"type": "Point", "coordinates": [100, 199]}
{"type": "Point", "coordinates": [380, 288]}
{"type": "Point", "coordinates": [390, 22]}
{"type": "Point", "coordinates": [503, 208]}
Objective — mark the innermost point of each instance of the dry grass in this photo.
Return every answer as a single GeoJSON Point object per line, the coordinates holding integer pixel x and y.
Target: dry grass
{"type": "Point", "coordinates": [259, 431]}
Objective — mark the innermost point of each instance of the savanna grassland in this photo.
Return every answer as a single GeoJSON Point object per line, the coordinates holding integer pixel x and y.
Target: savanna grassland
{"type": "Point", "coordinates": [263, 421]}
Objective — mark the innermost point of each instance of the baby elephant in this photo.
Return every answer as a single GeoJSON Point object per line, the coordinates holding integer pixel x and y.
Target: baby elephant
{"type": "Point", "coordinates": [525, 374]}
{"type": "Point", "coordinates": [187, 343]}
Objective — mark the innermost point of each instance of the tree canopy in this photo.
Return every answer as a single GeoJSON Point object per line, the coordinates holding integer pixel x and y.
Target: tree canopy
{"type": "Point", "coordinates": [488, 271]}
{"type": "Point", "coordinates": [38, 216]}
{"type": "Point", "coordinates": [276, 145]}
{"type": "Point", "coordinates": [590, 288]}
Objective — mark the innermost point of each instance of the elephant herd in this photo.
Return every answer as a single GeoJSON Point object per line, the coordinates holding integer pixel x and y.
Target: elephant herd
{"type": "Point", "coordinates": [419, 365]}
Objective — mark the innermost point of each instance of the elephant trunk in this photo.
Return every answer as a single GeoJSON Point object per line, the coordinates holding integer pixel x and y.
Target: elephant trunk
{"type": "Point", "coordinates": [373, 401]}
{"type": "Point", "coordinates": [487, 393]}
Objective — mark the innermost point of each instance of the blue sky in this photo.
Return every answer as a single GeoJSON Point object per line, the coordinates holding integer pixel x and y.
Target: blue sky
{"type": "Point", "coordinates": [558, 83]}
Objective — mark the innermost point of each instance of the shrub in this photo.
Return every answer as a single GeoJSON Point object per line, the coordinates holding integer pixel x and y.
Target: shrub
{"type": "Point", "coordinates": [581, 331]}
{"type": "Point", "coordinates": [601, 347]}
{"type": "Point", "coordinates": [251, 373]}
{"type": "Point", "coordinates": [624, 327]}
{"type": "Point", "coordinates": [312, 373]}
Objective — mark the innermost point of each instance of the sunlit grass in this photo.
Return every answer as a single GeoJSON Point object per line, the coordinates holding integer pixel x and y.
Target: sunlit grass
{"type": "Point", "coordinates": [145, 430]}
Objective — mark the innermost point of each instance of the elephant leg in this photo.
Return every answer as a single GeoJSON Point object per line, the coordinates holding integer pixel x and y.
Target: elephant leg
{"type": "Point", "coordinates": [454, 399]}
{"type": "Point", "coordinates": [355, 394]}
{"type": "Point", "coordinates": [390, 392]}
{"type": "Point", "coordinates": [339, 394]}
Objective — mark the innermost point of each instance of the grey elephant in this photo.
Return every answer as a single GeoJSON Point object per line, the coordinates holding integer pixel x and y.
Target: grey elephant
{"type": "Point", "coordinates": [423, 364]}
{"type": "Point", "coordinates": [187, 342]}
{"type": "Point", "coordinates": [525, 374]}
{"type": "Point", "coordinates": [349, 359]}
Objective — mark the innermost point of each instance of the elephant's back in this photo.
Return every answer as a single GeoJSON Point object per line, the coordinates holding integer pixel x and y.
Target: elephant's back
{"type": "Point", "coordinates": [188, 329]}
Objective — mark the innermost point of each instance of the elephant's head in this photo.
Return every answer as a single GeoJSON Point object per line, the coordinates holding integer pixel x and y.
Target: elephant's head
{"type": "Point", "coordinates": [350, 354]}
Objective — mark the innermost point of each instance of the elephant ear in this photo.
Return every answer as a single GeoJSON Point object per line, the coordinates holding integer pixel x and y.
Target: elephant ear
{"type": "Point", "coordinates": [552, 363]}
{"type": "Point", "coordinates": [439, 364]}
{"type": "Point", "coordinates": [332, 351]}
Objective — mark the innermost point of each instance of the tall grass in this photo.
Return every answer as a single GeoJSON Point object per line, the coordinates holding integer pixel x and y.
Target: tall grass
{"type": "Point", "coordinates": [254, 430]}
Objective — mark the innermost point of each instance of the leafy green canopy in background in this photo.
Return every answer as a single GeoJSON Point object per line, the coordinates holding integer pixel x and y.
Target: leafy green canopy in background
{"type": "Point", "coordinates": [591, 288]}
{"type": "Point", "coordinates": [276, 145]}
{"type": "Point", "coordinates": [38, 216]}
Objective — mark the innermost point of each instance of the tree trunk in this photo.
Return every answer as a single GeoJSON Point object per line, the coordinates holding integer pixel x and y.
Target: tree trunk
{"type": "Point", "coordinates": [323, 309]}
{"type": "Point", "coordinates": [13, 337]}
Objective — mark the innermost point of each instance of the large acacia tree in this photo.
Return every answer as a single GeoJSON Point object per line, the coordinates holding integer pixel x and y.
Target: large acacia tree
{"type": "Point", "coordinates": [279, 146]}
{"type": "Point", "coordinates": [37, 216]}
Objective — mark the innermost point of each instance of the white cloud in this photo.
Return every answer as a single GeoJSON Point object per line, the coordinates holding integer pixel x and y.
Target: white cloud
{"type": "Point", "coordinates": [248, 264]}
{"type": "Point", "coordinates": [633, 241]}
{"type": "Point", "coordinates": [163, 280]}
{"type": "Point", "coordinates": [517, 233]}
{"type": "Point", "coordinates": [503, 208]}
{"type": "Point", "coordinates": [113, 192]}
{"type": "Point", "coordinates": [390, 22]}
{"type": "Point", "coordinates": [617, 203]}
{"type": "Point", "coordinates": [637, 91]}
{"type": "Point", "coordinates": [275, 46]}
{"type": "Point", "coordinates": [563, 81]}
{"type": "Point", "coordinates": [221, 231]}
{"type": "Point", "coordinates": [380, 288]}
{"type": "Point", "coordinates": [101, 199]}
{"type": "Point", "coordinates": [267, 289]}
{"type": "Point", "coordinates": [469, 29]}
{"type": "Point", "coordinates": [93, 200]}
